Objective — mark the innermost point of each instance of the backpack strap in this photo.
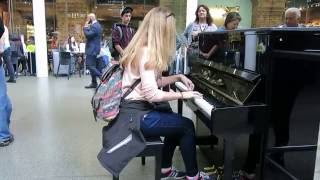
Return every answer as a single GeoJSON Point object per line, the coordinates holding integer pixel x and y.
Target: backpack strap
{"type": "Point", "coordinates": [120, 31]}
{"type": "Point", "coordinates": [131, 88]}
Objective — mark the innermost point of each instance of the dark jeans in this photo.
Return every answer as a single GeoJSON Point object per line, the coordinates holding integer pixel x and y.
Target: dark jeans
{"type": "Point", "coordinates": [7, 59]}
{"type": "Point", "coordinates": [177, 130]}
{"type": "Point", "coordinates": [95, 67]}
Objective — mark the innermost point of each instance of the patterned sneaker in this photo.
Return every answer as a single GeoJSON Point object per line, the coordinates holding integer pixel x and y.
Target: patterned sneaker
{"type": "Point", "coordinates": [246, 176]}
{"type": "Point", "coordinates": [205, 176]}
{"type": "Point", "coordinates": [173, 174]}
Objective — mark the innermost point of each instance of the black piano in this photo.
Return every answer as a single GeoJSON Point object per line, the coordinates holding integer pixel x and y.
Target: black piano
{"type": "Point", "coordinates": [250, 78]}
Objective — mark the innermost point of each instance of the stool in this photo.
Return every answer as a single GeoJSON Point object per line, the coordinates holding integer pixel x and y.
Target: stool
{"type": "Point", "coordinates": [153, 148]}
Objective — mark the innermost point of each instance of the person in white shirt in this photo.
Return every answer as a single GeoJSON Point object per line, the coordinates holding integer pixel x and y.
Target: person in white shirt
{"type": "Point", "coordinates": [73, 48]}
{"type": "Point", "coordinates": [5, 53]}
{"type": "Point", "coordinates": [72, 45]}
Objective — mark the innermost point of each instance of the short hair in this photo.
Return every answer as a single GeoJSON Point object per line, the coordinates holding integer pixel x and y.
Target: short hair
{"type": "Point", "coordinates": [232, 16]}
{"type": "Point", "coordinates": [294, 10]}
{"type": "Point", "coordinates": [126, 10]}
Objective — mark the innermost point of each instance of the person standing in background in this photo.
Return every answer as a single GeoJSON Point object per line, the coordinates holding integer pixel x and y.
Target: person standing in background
{"type": "Point", "coordinates": [286, 87]}
{"type": "Point", "coordinates": [231, 22]}
{"type": "Point", "coordinates": [202, 23]}
{"type": "Point", "coordinates": [122, 33]}
{"type": "Point", "coordinates": [93, 33]}
{"type": "Point", "coordinates": [6, 54]}
{"type": "Point", "coordinates": [292, 16]}
{"type": "Point", "coordinates": [5, 104]}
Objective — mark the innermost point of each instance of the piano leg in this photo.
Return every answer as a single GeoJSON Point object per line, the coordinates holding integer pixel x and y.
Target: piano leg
{"type": "Point", "coordinates": [228, 157]}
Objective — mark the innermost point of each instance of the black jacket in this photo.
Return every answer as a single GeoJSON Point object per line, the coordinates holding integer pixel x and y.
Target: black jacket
{"type": "Point", "coordinates": [122, 138]}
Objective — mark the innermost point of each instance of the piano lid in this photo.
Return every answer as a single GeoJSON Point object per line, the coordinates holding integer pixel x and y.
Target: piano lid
{"type": "Point", "coordinates": [229, 85]}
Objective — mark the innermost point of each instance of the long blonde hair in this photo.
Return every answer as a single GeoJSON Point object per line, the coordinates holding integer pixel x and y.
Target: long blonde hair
{"type": "Point", "coordinates": [157, 32]}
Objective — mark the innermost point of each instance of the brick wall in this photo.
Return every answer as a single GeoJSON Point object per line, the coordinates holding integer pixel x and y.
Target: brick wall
{"type": "Point", "coordinates": [267, 13]}
{"type": "Point", "coordinates": [70, 18]}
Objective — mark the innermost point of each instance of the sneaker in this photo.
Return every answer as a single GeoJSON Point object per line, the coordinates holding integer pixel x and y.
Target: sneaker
{"type": "Point", "coordinates": [11, 81]}
{"type": "Point", "coordinates": [173, 174]}
{"type": "Point", "coordinates": [246, 176]}
{"type": "Point", "coordinates": [205, 176]}
{"type": "Point", "coordinates": [7, 141]}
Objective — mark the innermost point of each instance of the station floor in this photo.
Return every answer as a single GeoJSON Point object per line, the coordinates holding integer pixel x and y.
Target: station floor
{"type": "Point", "coordinates": [56, 137]}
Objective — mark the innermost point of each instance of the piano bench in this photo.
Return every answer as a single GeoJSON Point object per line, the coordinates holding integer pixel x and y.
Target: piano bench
{"type": "Point", "coordinates": [153, 148]}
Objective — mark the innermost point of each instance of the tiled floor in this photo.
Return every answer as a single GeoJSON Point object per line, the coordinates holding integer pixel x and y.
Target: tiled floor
{"type": "Point", "coordinates": [56, 136]}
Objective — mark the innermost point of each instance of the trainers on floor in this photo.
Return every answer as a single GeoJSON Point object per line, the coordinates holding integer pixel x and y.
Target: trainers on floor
{"type": "Point", "coordinates": [11, 81]}
{"type": "Point", "coordinates": [205, 176]}
{"type": "Point", "coordinates": [247, 176]}
{"type": "Point", "coordinates": [173, 174]}
{"type": "Point", "coordinates": [7, 141]}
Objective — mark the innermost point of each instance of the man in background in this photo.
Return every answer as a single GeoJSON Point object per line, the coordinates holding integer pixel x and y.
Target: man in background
{"type": "Point", "coordinates": [286, 87]}
{"type": "Point", "coordinates": [292, 16]}
{"type": "Point", "coordinates": [122, 33]}
{"type": "Point", "coordinates": [93, 33]}
{"type": "Point", "coordinates": [5, 52]}
{"type": "Point", "coordinates": [5, 105]}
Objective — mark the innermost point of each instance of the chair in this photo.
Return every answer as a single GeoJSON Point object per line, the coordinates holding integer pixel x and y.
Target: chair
{"type": "Point", "coordinates": [153, 148]}
{"type": "Point", "coordinates": [65, 60]}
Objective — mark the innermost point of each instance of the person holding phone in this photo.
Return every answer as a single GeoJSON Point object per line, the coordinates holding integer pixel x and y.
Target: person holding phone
{"type": "Point", "coordinates": [93, 33]}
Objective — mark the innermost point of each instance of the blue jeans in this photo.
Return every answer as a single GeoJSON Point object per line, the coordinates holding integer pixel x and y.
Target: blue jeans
{"type": "Point", "coordinates": [5, 108]}
{"type": "Point", "coordinates": [177, 130]}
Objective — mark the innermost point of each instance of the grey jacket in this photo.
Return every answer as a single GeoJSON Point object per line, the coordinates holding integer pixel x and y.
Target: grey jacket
{"type": "Point", "coordinates": [122, 139]}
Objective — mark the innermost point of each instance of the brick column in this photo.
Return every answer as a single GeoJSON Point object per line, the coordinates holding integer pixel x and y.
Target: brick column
{"type": "Point", "coordinates": [267, 13]}
{"type": "Point", "coordinates": [70, 16]}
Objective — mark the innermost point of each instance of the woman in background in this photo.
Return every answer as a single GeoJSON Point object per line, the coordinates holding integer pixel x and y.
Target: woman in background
{"type": "Point", "coordinates": [73, 48]}
{"type": "Point", "coordinates": [202, 23]}
{"type": "Point", "coordinates": [231, 22]}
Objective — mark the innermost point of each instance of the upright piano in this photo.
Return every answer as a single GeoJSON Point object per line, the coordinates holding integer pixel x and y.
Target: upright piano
{"type": "Point", "coordinates": [249, 78]}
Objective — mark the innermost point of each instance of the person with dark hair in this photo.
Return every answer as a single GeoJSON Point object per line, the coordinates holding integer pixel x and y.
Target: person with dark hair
{"type": "Point", "coordinates": [231, 22]}
{"type": "Point", "coordinates": [16, 51]}
{"type": "Point", "coordinates": [73, 48]}
{"type": "Point", "coordinates": [6, 136]}
{"type": "Point", "coordinates": [202, 23]}
{"type": "Point", "coordinates": [6, 54]}
{"type": "Point", "coordinates": [122, 33]}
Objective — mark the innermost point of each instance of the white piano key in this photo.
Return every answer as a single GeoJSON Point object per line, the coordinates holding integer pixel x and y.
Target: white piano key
{"type": "Point", "coordinates": [204, 105]}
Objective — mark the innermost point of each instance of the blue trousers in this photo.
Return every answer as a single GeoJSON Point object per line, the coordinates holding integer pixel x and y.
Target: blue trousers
{"type": "Point", "coordinates": [95, 67]}
{"type": "Point", "coordinates": [5, 108]}
{"type": "Point", "coordinates": [177, 130]}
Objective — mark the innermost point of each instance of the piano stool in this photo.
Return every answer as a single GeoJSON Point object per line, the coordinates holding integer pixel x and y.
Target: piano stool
{"type": "Point", "coordinates": [153, 148]}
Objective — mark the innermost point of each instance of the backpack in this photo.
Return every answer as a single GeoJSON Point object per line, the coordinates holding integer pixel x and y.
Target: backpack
{"type": "Point", "coordinates": [110, 43]}
{"type": "Point", "coordinates": [15, 51]}
{"type": "Point", "coordinates": [108, 95]}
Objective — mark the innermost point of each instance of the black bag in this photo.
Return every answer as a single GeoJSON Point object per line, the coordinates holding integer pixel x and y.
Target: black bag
{"type": "Point", "coordinates": [122, 141]}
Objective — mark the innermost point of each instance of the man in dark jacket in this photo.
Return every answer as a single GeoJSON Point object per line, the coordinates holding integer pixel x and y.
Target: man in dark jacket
{"type": "Point", "coordinates": [93, 32]}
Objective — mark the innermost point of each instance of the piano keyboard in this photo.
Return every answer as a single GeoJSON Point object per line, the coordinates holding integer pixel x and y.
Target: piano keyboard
{"type": "Point", "coordinates": [202, 104]}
